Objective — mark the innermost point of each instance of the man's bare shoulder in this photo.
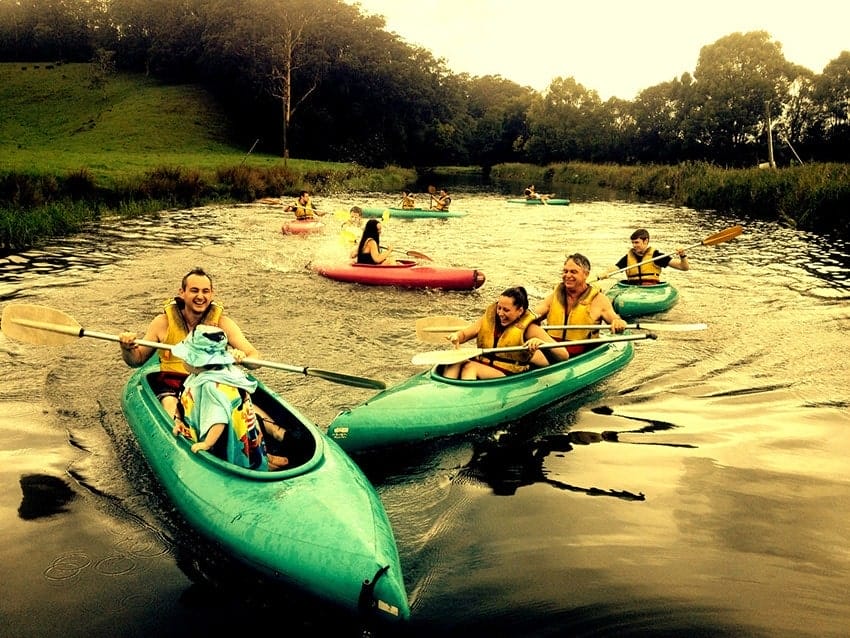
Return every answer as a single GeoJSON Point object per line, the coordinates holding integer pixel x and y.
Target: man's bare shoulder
{"type": "Point", "coordinates": [158, 328]}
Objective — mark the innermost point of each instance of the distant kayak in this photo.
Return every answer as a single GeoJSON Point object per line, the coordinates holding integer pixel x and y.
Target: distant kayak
{"type": "Point", "coordinates": [411, 213]}
{"type": "Point", "coordinates": [405, 274]}
{"type": "Point", "coordinates": [549, 202]}
{"type": "Point", "coordinates": [636, 301]}
{"type": "Point", "coordinates": [302, 227]}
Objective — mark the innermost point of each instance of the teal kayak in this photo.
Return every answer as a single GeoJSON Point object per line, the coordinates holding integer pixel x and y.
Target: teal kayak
{"type": "Point", "coordinates": [317, 527]}
{"type": "Point", "coordinates": [428, 405]}
{"type": "Point", "coordinates": [636, 301]}
{"type": "Point", "coordinates": [549, 202]}
{"type": "Point", "coordinates": [411, 213]}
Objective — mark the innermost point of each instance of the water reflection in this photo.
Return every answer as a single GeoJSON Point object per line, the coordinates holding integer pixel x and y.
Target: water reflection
{"type": "Point", "coordinates": [72, 260]}
{"type": "Point", "coordinates": [43, 496]}
{"type": "Point", "coordinates": [511, 461]}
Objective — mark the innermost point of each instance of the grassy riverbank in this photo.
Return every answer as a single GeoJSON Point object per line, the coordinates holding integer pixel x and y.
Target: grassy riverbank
{"type": "Point", "coordinates": [76, 145]}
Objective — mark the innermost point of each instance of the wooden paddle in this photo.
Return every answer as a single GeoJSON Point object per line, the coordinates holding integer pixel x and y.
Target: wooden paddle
{"type": "Point", "coordinates": [49, 327]}
{"type": "Point", "coordinates": [711, 240]}
{"type": "Point", "coordinates": [431, 190]}
{"type": "Point", "coordinates": [413, 253]}
{"type": "Point", "coordinates": [438, 329]}
{"type": "Point", "coordinates": [448, 357]}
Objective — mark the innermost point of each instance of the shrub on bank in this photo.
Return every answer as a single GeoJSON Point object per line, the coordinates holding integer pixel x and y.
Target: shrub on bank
{"type": "Point", "coordinates": [812, 197]}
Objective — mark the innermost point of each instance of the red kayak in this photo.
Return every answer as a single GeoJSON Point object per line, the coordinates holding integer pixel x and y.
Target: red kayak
{"type": "Point", "coordinates": [406, 274]}
{"type": "Point", "coordinates": [302, 227]}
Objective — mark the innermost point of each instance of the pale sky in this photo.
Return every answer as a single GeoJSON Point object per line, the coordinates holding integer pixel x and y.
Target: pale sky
{"type": "Point", "coordinates": [615, 47]}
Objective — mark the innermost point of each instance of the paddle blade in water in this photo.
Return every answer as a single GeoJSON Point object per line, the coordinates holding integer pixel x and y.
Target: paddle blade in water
{"type": "Point", "coordinates": [417, 255]}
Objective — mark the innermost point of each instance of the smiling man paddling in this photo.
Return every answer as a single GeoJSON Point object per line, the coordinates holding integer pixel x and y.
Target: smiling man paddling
{"type": "Point", "coordinates": [193, 305]}
{"type": "Point", "coordinates": [574, 301]}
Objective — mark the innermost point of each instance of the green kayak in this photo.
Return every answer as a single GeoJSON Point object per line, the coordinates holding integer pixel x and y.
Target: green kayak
{"type": "Point", "coordinates": [317, 527]}
{"type": "Point", "coordinates": [428, 405]}
{"type": "Point", "coordinates": [636, 301]}
{"type": "Point", "coordinates": [549, 202]}
{"type": "Point", "coordinates": [411, 213]}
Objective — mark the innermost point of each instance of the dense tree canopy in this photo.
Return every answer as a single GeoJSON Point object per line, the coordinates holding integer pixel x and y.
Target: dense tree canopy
{"type": "Point", "coordinates": [322, 80]}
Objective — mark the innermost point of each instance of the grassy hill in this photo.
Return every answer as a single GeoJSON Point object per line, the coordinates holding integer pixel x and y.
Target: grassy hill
{"type": "Point", "coordinates": [60, 118]}
{"type": "Point", "coordinates": [75, 144]}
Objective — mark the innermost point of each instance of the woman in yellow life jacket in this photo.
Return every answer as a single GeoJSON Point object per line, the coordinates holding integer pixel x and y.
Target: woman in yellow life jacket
{"type": "Point", "coordinates": [574, 301]}
{"type": "Point", "coordinates": [215, 411]}
{"type": "Point", "coordinates": [643, 267]}
{"type": "Point", "coordinates": [508, 322]}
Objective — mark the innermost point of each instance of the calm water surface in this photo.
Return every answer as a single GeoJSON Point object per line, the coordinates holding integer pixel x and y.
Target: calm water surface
{"type": "Point", "coordinates": [702, 490]}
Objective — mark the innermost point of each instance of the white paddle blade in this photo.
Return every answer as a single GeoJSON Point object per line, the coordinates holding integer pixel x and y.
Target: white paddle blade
{"type": "Point", "coordinates": [39, 325]}
{"type": "Point", "coordinates": [438, 329]}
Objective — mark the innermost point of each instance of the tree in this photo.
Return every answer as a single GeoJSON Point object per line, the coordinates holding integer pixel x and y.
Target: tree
{"type": "Point", "coordinates": [496, 108]}
{"type": "Point", "coordinates": [831, 93]}
{"type": "Point", "coordinates": [735, 77]}
{"type": "Point", "coordinates": [564, 123]}
{"type": "Point", "coordinates": [277, 48]}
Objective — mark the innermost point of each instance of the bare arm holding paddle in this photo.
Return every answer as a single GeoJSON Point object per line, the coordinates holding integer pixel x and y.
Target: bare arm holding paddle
{"type": "Point", "coordinates": [711, 240]}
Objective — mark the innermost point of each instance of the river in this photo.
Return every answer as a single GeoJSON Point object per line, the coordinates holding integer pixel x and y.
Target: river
{"type": "Point", "coordinates": [718, 506]}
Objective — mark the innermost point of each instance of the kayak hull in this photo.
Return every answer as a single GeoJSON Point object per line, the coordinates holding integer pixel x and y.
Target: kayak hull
{"type": "Point", "coordinates": [405, 274]}
{"type": "Point", "coordinates": [636, 301]}
{"type": "Point", "coordinates": [428, 405]}
{"type": "Point", "coordinates": [549, 202]}
{"type": "Point", "coordinates": [302, 227]}
{"type": "Point", "coordinates": [411, 213]}
{"type": "Point", "coordinates": [317, 527]}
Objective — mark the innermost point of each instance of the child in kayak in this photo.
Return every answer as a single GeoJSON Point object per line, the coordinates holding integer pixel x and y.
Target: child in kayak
{"type": "Point", "coordinates": [215, 410]}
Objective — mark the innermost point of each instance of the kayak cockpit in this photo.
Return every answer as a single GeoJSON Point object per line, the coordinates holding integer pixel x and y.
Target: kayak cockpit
{"type": "Point", "coordinates": [302, 446]}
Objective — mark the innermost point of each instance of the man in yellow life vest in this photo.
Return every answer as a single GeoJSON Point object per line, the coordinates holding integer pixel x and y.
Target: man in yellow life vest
{"type": "Point", "coordinates": [193, 305]}
{"type": "Point", "coordinates": [574, 301]}
{"type": "Point", "coordinates": [303, 207]}
{"type": "Point", "coordinates": [407, 200]}
{"type": "Point", "coordinates": [506, 323]}
{"type": "Point", "coordinates": [643, 263]}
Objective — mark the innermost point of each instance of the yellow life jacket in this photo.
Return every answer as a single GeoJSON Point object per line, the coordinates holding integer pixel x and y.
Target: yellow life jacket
{"type": "Point", "coordinates": [408, 202]}
{"type": "Point", "coordinates": [303, 212]}
{"type": "Point", "coordinates": [580, 314]}
{"type": "Point", "coordinates": [513, 335]}
{"type": "Point", "coordinates": [648, 273]}
{"type": "Point", "coordinates": [443, 204]}
{"type": "Point", "coordinates": [177, 330]}
{"type": "Point", "coordinates": [242, 442]}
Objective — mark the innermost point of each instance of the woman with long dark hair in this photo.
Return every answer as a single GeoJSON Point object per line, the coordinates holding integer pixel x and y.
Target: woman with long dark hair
{"type": "Point", "coordinates": [369, 250]}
